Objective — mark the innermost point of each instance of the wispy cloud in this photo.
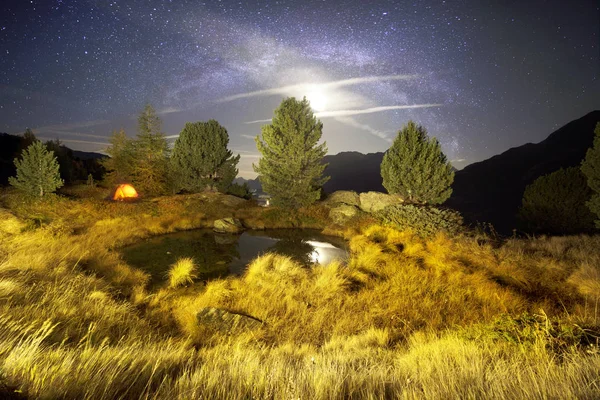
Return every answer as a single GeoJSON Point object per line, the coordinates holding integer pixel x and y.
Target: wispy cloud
{"type": "Point", "coordinates": [51, 132]}
{"type": "Point", "coordinates": [348, 113]}
{"type": "Point", "coordinates": [169, 110]}
{"type": "Point", "coordinates": [75, 141]}
{"type": "Point", "coordinates": [258, 121]}
{"type": "Point", "coordinates": [305, 87]}
{"type": "Point", "coordinates": [249, 136]}
{"type": "Point", "coordinates": [242, 155]}
{"type": "Point", "coordinates": [73, 125]}
{"type": "Point", "coordinates": [355, 124]}
{"type": "Point", "coordinates": [64, 133]}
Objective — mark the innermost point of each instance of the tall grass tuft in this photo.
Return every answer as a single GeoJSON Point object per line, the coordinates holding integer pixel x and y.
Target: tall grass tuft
{"type": "Point", "coordinates": [183, 272]}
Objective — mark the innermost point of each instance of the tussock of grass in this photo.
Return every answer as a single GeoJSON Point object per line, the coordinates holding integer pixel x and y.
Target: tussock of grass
{"type": "Point", "coordinates": [182, 272]}
{"type": "Point", "coordinates": [404, 317]}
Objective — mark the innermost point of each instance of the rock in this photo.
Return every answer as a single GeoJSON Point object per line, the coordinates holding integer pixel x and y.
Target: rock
{"type": "Point", "coordinates": [375, 201]}
{"type": "Point", "coordinates": [342, 213]}
{"type": "Point", "coordinates": [232, 201]}
{"type": "Point", "coordinates": [225, 321]}
{"type": "Point", "coordinates": [343, 197]}
{"type": "Point", "coordinates": [228, 225]}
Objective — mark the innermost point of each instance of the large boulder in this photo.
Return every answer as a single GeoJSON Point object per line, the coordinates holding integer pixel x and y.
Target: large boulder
{"type": "Point", "coordinates": [376, 201]}
{"type": "Point", "coordinates": [343, 197]}
{"type": "Point", "coordinates": [342, 213]}
{"type": "Point", "coordinates": [219, 320]}
{"type": "Point", "coordinates": [228, 225]}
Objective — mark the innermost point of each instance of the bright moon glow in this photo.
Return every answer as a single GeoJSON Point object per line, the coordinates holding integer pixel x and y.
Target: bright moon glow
{"type": "Point", "coordinates": [318, 100]}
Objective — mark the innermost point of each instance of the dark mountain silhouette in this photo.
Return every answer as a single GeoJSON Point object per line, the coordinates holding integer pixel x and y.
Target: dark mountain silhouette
{"type": "Point", "coordinates": [253, 184]}
{"type": "Point", "coordinates": [349, 170]}
{"type": "Point", "coordinates": [88, 155]}
{"type": "Point", "coordinates": [492, 190]}
{"type": "Point", "coordinates": [352, 170]}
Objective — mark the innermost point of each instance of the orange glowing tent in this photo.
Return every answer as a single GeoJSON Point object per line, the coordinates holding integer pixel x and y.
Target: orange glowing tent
{"type": "Point", "coordinates": [125, 191]}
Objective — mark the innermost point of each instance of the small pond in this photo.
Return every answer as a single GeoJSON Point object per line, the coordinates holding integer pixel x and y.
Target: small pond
{"type": "Point", "coordinates": [218, 255]}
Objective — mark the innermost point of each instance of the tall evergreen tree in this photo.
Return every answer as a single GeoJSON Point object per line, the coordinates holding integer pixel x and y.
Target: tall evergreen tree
{"type": "Point", "coordinates": [416, 168]}
{"type": "Point", "coordinates": [200, 157]}
{"type": "Point", "coordinates": [555, 204]}
{"type": "Point", "coordinates": [591, 169]}
{"type": "Point", "coordinates": [37, 171]}
{"type": "Point", "coordinates": [150, 163]}
{"type": "Point", "coordinates": [290, 169]}
{"type": "Point", "coordinates": [119, 165]}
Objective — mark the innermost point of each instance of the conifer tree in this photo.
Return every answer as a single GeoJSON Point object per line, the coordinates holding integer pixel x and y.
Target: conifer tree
{"type": "Point", "coordinates": [591, 169]}
{"type": "Point", "coordinates": [555, 204]}
{"type": "Point", "coordinates": [416, 168]}
{"type": "Point", "coordinates": [290, 169]}
{"type": "Point", "coordinates": [200, 157]}
{"type": "Point", "coordinates": [150, 163]}
{"type": "Point", "coordinates": [119, 165]}
{"type": "Point", "coordinates": [37, 171]}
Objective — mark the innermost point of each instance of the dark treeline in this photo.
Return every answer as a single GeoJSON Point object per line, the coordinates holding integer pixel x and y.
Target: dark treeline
{"type": "Point", "coordinates": [74, 166]}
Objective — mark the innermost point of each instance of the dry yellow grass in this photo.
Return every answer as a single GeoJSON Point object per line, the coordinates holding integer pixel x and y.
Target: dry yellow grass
{"type": "Point", "coordinates": [405, 318]}
{"type": "Point", "coordinates": [183, 272]}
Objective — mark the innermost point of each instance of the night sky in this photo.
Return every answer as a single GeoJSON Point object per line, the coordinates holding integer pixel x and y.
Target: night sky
{"type": "Point", "coordinates": [481, 76]}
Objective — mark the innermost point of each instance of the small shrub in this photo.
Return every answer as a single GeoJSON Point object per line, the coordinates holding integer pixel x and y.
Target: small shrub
{"type": "Point", "coordinates": [555, 204]}
{"type": "Point", "coordinates": [424, 221]}
{"type": "Point", "coordinates": [182, 272]}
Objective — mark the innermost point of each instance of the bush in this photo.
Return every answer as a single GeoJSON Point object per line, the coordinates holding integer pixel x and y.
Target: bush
{"type": "Point", "coordinates": [555, 204]}
{"type": "Point", "coordinates": [591, 169]}
{"type": "Point", "coordinates": [423, 220]}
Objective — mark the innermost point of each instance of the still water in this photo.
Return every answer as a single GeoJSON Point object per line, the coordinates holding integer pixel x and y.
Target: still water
{"type": "Point", "coordinates": [218, 255]}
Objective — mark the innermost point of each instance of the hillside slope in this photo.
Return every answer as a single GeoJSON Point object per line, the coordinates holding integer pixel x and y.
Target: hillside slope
{"type": "Point", "coordinates": [491, 190]}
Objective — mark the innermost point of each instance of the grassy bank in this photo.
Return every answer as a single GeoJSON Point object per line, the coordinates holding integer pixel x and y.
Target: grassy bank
{"type": "Point", "coordinates": [406, 317]}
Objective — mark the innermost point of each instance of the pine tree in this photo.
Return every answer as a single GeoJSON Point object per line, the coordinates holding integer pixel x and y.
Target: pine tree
{"type": "Point", "coordinates": [37, 171]}
{"type": "Point", "coordinates": [119, 165]}
{"type": "Point", "coordinates": [555, 204]}
{"type": "Point", "coordinates": [150, 163]}
{"type": "Point", "coordinates": [591, 169]}
{"type": "Point", "coordinates": [290, 169]}
{"type": "Point", "coordinates": [416, 168]}
{"type": "Point", "coordinates": [200, 157]}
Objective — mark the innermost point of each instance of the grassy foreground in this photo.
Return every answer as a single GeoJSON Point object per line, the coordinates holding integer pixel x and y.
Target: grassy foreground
{"type": "Point", "coordinates": [405, 318]}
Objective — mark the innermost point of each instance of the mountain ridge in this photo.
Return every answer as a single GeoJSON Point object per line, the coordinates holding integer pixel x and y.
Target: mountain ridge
{"type": "Point", "coordinates": [491, 190]}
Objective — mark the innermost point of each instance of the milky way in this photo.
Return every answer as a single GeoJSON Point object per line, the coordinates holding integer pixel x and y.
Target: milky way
{"type": "Point", "coordinates": [481, 78]}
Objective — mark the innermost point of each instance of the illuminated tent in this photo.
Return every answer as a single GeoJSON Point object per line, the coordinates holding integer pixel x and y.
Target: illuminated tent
{"type": "Point", "coordinates": [125, 191]}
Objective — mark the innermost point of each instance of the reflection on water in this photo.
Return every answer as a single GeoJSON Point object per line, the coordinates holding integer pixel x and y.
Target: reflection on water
{"type": "Point", "coordinates": [219, 255]}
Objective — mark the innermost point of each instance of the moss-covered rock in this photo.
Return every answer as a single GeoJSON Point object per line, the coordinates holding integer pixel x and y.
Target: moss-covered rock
{"type": "Point", "coordinates": [376, 201]}
{"type": "Point", "coordinates": [228, 225]}
{"type": "Point", "coordinates": [343, 197]}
